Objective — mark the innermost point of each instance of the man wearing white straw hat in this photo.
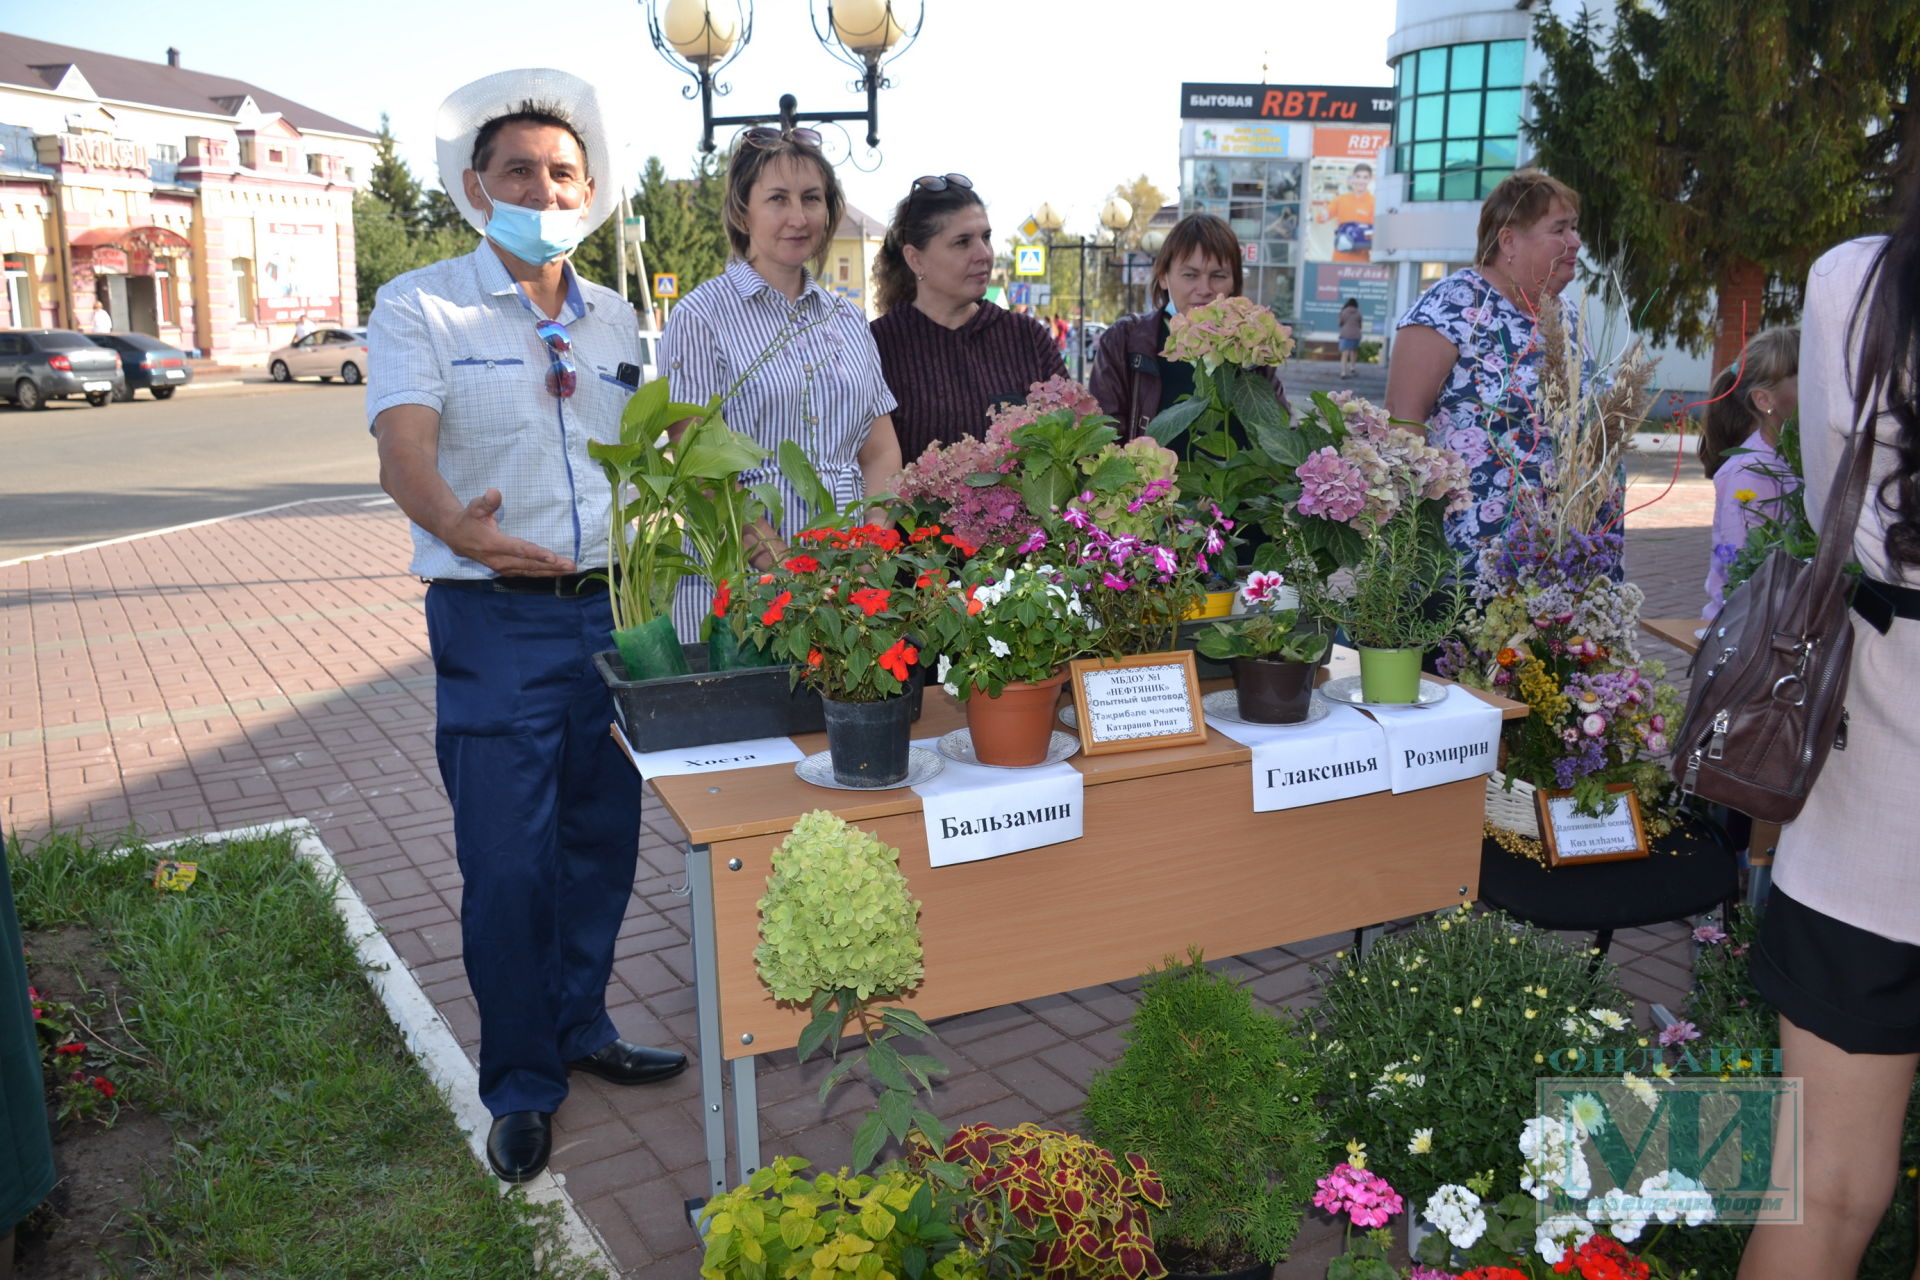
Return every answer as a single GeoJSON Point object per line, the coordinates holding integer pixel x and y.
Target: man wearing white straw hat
{"type": "Point", "coordinates": [488, 374]}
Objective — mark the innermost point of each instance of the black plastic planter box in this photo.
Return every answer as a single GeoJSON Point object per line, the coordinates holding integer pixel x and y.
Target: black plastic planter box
{"type": "Point", "coordinates": [715, 706]}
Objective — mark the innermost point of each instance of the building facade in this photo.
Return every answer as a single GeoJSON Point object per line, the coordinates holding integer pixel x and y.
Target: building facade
{"type": "Point", "coordinates": [1291, 168]}
{"type": "Point", "coordinates": [1462, 71]}
{"type": "Point", "coordinates": [200, 209]}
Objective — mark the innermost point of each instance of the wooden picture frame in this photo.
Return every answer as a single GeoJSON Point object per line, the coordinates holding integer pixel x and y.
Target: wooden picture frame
{"type": "Point", "coordinates": [1572, 839]}
{"type": "Point", "coordinates": [1111, 718]}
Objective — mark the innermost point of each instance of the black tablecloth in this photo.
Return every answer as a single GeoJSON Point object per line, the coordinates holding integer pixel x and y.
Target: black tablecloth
{"type": "Point", "coordinates": [1690, 871]}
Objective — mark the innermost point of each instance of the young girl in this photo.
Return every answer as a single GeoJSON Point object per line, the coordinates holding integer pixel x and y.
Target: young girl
{"type": "Point", "coordinates": [1751, 399]}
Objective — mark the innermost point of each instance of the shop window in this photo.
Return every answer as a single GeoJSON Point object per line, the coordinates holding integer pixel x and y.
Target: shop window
{"type": "Point", "coordinates": [243, 294]}
{"type": "Point", "coordinates": [1457, 126]}
{"type": "Point", "coordinates": [18, 272]}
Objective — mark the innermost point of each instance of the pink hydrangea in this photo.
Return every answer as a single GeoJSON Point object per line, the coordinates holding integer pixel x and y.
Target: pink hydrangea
{"type": "Point", "coordinates": [1331, 486]}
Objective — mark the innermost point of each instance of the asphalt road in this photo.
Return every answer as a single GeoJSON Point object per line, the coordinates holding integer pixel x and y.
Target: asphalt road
{"type": "Point", "coordinates": [72, 474]}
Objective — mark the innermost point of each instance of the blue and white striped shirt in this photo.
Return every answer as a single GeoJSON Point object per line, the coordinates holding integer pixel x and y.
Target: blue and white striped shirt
{"type": "Point", "coordinates": [458, 337]}
{"type": "Point", "coordinates": [821, 389]}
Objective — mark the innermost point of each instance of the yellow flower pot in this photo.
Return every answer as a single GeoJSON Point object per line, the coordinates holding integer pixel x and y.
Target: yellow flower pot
{"type": "Point", "coordinates": [1216, 604]}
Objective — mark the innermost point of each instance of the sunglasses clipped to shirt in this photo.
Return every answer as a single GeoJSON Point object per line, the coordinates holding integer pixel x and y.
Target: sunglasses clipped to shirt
{"type": "Point", "coordinates": [561, 378]}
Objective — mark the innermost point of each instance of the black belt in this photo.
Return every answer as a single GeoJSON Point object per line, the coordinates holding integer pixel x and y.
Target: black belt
{"type": "Point", "coordinates": [1881, 602]}
{"type": "Point", "coordinates": [585, 583]}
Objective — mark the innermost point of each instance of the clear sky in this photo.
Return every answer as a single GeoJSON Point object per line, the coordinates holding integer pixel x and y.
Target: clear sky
{"type": "Point", "coordinates": [1035, 100]}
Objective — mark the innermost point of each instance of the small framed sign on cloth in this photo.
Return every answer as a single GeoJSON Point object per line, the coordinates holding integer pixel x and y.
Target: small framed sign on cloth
{"type": "Point", "coordinates": [1571, 837]}
{"type": "Point", "coordinates": [1142, 700]}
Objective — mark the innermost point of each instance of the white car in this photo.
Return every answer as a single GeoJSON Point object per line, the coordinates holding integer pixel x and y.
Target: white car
{"type": "Point", "coordinates": [325, 354]}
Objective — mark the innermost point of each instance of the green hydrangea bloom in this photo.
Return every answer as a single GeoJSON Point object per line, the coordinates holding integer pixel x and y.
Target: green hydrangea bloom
{"type": "Point", "coordinates": [837, 915]}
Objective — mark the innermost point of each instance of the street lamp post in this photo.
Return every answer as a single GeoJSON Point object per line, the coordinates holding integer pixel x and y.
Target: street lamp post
{"type": "Point", "coordinates": [1115, 214]}
{"type": "Point", "coordinates": [700, 37]}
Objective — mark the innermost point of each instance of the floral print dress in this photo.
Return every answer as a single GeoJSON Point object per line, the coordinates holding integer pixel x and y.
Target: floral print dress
{"type": "Point", "coordinates": [1485, 411]}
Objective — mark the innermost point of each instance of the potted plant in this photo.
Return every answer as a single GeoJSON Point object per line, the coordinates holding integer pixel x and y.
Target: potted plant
{"type": "Point", "coordinates": [844, 608]}
{"type": "Point", "coordinates": [838, 932]}
{"type": "Point", "coordinates": [785, 1226]}
{"type": "Point", "coordinates": [1004, 640]}
{"type": "Point", "coordinates": [1065, 1204]}
{"type": "Point", "coordinates": [1218, 1096]}
{"type": "Point", "coordinates": [1273, 656]}
{"type": "Point", "coordinates": [1431, 1042]}
{"type": "Point", "coordinates": [1373, 500]}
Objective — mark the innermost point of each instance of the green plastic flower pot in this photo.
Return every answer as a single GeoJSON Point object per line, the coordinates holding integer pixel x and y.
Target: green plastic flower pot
{"type": "Point", "coordinates": [1390, 675]}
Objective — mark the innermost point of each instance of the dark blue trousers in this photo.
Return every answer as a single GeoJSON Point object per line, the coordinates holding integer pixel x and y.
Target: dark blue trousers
{"type": "Point", "coordinates": [546, 826]}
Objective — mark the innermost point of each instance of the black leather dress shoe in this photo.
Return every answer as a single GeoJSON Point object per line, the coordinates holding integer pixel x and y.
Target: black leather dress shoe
{"type": "Point", "coordinates": [624, 1063]}
{"type": "Point", "coordinates": [519, 1143]}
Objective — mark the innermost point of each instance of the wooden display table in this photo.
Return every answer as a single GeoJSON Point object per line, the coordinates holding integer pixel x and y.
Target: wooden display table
{"type": "Point", "coordinates": [1677, 632]}
{"type": "Point", "coordinates": [1172, 855]}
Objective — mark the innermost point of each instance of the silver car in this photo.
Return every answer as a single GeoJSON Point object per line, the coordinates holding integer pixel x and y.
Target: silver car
{"type": "Point", "coordinates": [325, 354]}
{"type": "Point", "coordinates": [38, 365]}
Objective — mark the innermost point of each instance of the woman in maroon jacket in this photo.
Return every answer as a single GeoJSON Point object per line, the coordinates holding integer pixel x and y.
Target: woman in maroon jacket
{"type": "Point", "coordinates": [950, 357]}
{"type": "Point", "coordinates": [1199, 263]}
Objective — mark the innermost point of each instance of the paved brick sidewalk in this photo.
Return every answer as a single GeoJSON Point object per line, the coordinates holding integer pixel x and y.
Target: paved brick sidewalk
{"type": "Point", "coordinates": [274, 665]}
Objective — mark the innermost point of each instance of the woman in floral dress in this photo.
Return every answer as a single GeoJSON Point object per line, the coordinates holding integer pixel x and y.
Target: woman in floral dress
{"type": "Point", "coordinates": [1466, 357]}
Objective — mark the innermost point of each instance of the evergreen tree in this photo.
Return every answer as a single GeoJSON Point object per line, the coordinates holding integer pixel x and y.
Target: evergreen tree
{"type": "Point", "coordinates": [391, 182]}
{"type": "Point", "coordinates": [1719, 146]}
{"type": "Point", "coordinates": [686, 234]}
{"type": "Point", "coordinates": [383, 247]}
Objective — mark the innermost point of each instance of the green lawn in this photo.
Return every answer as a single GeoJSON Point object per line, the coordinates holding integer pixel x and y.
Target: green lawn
{"type": "Point", "coordinates": [309, 1143]}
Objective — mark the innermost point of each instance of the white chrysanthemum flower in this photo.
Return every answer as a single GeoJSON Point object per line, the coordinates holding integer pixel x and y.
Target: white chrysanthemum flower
{"type": "Point", "coordinates": [998, 647]}
{"type": "Point", "coordinates": [1395, 1079]}
{"type": "Point", "coordinates": [1627, 1215]}
{"type": "Point", "coordinates": [1641, 1089]}
{"type": "Point", "coordinates": [1587, 1114]}
{"type": "Point", "coordinates": [1611, 1019]}
{"type": "Point", "coordinates": [1456, 1213]}
{"type": "Point", "coordinates": [1421, 1143]}
{"type": "Point", "coordinates": [1560, 1235]}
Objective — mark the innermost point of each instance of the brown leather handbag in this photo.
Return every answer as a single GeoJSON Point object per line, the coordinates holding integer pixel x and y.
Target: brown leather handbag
{"type": "Point", "coordinates": [1770, 676]}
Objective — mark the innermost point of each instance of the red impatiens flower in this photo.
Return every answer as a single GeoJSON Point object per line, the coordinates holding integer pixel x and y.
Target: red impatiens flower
{"type": "Point", "coordinates": [973, 606]}
{"type": "Point", "coordinates": [813, 660]}
{"type": "Point", "coordinates": [105, 1086]}
{"type": "Point", "coordinates": [74, 1046]}
{"type": "Point", "coordinates": [899, 658]}
{"type": "Point", "coordinates": [966, 548]}
{"type": "Point", "coordinates": [926, 531]}
{"type": "Point", "coordinates": [802, 564]}
{"type": "Point", "coordinates": [722, 598]}
{"type": "Point", "coordinates": [778, 609]}
{"type": "Point", "coordinates": [765, 578]}
{"type": "Point", "coordinates": [870, 600]}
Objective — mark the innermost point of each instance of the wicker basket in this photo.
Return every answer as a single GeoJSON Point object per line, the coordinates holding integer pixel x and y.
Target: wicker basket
{"type": "Point", "coordinates": [1513, 810]}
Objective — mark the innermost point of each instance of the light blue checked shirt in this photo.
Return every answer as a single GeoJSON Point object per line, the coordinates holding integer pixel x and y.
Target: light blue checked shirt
{"type": "Point", "coordinates": [458, 337]}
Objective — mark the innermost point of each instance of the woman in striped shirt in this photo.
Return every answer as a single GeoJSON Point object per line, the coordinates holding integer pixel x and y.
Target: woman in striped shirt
{"type": "Point", "coordinates": [793, 361]}
{"type": "Point", "coordinates": [950, 356]}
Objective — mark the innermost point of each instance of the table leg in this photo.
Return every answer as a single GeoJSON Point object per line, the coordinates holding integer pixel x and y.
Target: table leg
{"type": "Point", "coordinates": [746, 1115]}
{"type": "Point", "coordinates": [1364, 938]}
{"type": "Point", "coordinates": [706, 1000]}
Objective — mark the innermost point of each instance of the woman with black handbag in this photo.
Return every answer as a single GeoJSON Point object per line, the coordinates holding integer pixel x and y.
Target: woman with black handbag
{"type": "Point", "coordinates": [1839, 947]}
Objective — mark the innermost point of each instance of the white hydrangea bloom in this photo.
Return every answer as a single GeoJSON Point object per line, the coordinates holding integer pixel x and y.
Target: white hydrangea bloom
{"type": "Point", "coordinates": [1456, 1213]}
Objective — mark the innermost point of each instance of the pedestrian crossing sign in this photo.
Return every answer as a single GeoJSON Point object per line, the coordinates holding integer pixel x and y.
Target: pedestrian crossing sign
{"type": "Point", "coordinates": [666, 285]}
{"type": "Point", "coordinates": [1030, 260]}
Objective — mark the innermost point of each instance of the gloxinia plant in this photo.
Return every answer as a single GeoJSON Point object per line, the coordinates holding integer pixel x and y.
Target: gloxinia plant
{"type": "Point", "coordinates": [1272, 625]}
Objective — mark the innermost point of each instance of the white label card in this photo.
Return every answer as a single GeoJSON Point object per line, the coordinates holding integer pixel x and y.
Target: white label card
{"type": "Point", "coordinates": [1445, 741]}
{"type": "Point", "coordinates": [974, 812]}
{"type": "Point", "coordinates": [1138, 702]}
{"type": "Point", "coordinates": [1335, 758]}
{"type": "Point", "coordinates": [714, 758]}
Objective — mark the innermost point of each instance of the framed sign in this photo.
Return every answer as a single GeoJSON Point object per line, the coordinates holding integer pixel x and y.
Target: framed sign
{"type": "Point", "coordinates": [1571, 838]}
{"type": "Point", "coordinates": [1144, 700]}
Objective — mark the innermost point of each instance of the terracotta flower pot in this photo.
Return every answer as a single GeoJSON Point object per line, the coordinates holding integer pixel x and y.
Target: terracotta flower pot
{"type": "Point", "coordinates": [1015, 728]}
{"type": "Point", "coordinates": [1273, 692]}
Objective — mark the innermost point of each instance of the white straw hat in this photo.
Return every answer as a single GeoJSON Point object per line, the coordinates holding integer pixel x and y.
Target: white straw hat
{"type": "Point", "coordinates": [469, 107]}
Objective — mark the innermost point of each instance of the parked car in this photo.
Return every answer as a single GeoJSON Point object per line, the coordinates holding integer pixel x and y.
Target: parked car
{"type": "Point", "coordinates": [325, 354]}
{"type": "Point", "coordinates": [148, 363]}
{"type": "Point", "coordinates": [38, 365]}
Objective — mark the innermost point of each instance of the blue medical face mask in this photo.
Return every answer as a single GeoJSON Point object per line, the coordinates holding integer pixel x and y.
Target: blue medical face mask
{"type": "Point", "coordinates": [1169, 308]}
{"type": "Point", "coordinates": [537, 236]}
